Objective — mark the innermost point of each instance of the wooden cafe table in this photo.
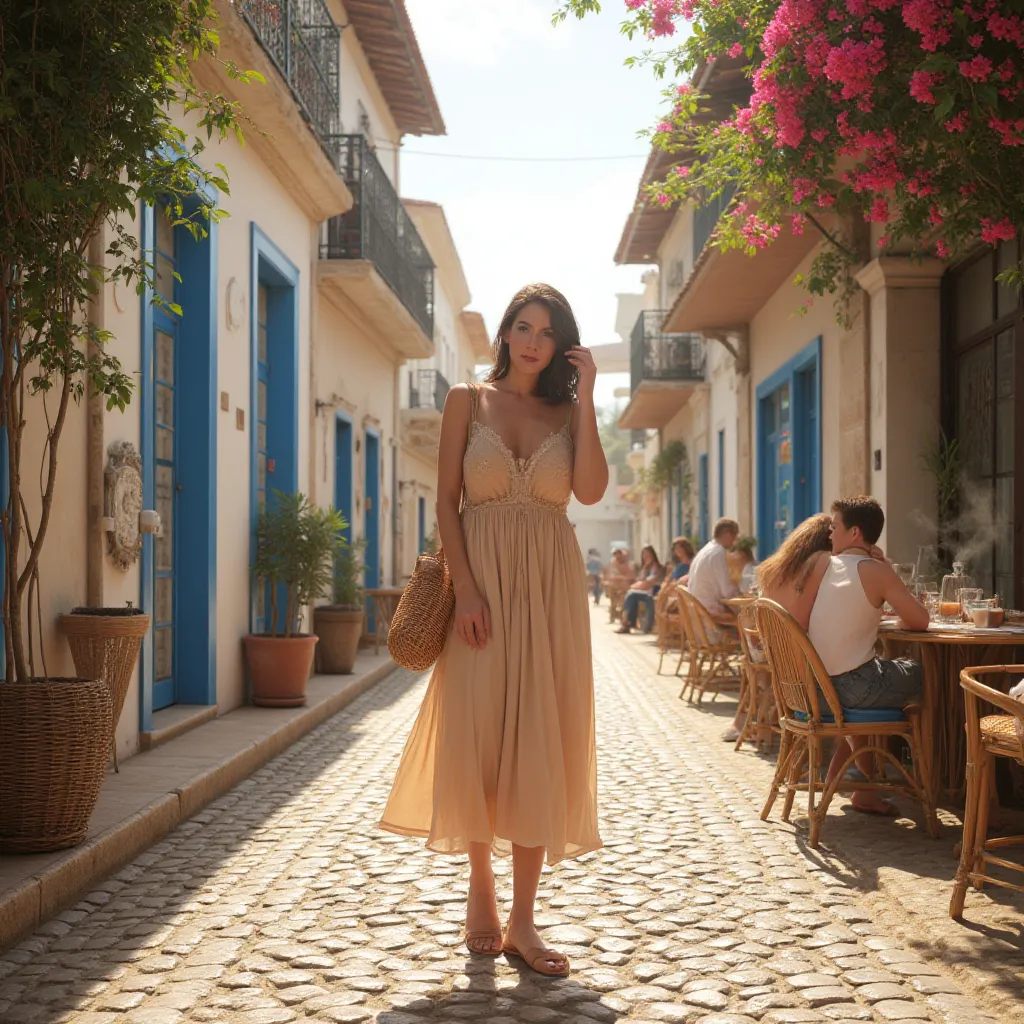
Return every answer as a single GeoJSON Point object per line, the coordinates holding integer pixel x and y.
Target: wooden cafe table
{"type": "Point", "coordinates": [944, 651]}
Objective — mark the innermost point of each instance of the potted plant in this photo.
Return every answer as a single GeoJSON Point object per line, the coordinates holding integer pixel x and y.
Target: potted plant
{"type": "Point", "coordinates": [339, 625]}
{"type": "Point", "coordinates": [297, 543]}
{"type": "Point", "coordinates": [88, 135]}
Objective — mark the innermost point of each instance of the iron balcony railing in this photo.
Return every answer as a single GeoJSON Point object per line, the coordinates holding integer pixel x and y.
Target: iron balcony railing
{"type": "Point", "coordinates": [655, 355]}
{"type": "Point", "coordinates": [706, 217]}
{"type": "Point", "coordinates": [427, 390]}
{"type": "Point", "coordinates": [304, 41]}
{"type": "Point", "coordinates": [377, 228]}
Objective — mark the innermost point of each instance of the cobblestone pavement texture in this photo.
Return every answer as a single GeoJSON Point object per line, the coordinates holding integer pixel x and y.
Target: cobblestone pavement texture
{"type": "Point", "coordinates": [281, 901]}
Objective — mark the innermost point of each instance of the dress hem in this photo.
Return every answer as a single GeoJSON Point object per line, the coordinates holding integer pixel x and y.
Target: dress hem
{"type": "Point", "coordinates": [492, 841]}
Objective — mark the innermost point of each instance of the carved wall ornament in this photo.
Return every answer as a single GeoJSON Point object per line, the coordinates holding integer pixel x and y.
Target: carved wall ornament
{"type": "Point", "coordinates": [234, 304]}
{"type": "Point", "coordinates": [123, 500]}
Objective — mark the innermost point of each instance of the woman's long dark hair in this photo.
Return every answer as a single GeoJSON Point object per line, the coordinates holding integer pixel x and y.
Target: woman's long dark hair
{"type": "Point", "coordinates": [557, 381]}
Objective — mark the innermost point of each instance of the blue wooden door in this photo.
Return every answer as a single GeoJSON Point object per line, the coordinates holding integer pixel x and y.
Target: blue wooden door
{"type": "Point", "coordinates": [421, 524]}
{"type": "Point", "coordinates": [343, 471]}
{"type": "Point", "coordinates": [777, 466]}
{"type": "Point", "coordinates": [264, 464]}
{"type": "Point", "coordinates": [371, 518]}
{"type": "Point", "coordinates": [165, 448]}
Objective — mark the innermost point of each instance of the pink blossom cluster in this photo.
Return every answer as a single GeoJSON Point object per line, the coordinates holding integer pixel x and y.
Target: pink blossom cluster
{"type": "Point", "coordinates": [843, 107]}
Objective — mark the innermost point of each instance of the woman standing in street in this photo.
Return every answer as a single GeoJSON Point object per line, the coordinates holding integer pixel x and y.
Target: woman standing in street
{"type": "Point", "coordinates": [502, 756]}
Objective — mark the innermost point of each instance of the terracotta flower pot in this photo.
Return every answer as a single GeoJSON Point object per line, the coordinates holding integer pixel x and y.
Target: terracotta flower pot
{"type": "Point", "coordinates": [279, 668]}
{"type": "Point", "coordinates": [339, 630]}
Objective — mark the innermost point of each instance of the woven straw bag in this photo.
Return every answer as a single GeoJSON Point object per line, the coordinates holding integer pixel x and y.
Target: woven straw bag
{"type": "Point", "coordinates": [419, 627]}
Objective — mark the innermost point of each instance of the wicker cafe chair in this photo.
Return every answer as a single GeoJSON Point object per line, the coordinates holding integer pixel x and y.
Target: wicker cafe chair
{"type": "Point", "coordinates": [668, 623]}
{"type": "Point", "coordinates": [800, 680]}
{"type": "Point", "coordinates": [988, 737]}
{"type": "Point", "coordinates": [757, 698]}
{"type": "Point", "coordinates": [714, 652]}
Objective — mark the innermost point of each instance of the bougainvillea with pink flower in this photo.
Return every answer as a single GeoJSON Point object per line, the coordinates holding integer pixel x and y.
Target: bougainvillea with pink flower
{"type": "Point", "coordinates": [907, 115]}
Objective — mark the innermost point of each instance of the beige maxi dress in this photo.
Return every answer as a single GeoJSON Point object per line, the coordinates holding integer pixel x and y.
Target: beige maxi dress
{"type": "Point", "coordinates": [503, 750]}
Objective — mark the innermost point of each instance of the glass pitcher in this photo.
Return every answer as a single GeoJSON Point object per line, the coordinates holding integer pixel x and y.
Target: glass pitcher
{"type": "Point", "coordinates": [949, 596]}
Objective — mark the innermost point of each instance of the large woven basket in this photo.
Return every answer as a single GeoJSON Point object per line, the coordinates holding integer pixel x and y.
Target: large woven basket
{"type": "Point", "coordinates": [419, 627]}
{"type": "Point", "coordinates": [105, 645]}
{"type": "Point", "coordinates": [54, 739]}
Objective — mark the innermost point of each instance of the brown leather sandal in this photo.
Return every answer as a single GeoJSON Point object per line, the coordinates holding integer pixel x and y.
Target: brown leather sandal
{"type": "Point", "coordinates": [537, 959]}
{"type": "Point", "coordinates": [482, 936]}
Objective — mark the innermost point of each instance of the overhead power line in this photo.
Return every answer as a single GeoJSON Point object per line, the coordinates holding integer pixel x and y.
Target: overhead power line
{"type": "Point", "coordinates": [524, 159]}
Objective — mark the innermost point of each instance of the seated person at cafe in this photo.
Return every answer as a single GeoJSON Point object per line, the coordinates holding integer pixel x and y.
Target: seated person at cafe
{"type": "Point", "coordinates": [709, 580]}
{"type": "Point", "coordinates": [843, 626]}
{"type": "Point", "coordinates": [618, 576]}
{"type": "Point", "coordinates": [682, 557]}
{"type": "Point", "coordinates": [791, 576]}
{"type": "Point", "coordinates": [648, 582]}
{"type": "Point", "coordinates": [711, 583]}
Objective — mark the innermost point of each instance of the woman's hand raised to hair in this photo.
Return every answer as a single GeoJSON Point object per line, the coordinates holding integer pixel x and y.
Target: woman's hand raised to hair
{"type": "Point", "coordinates": [472, 619]}
{"type": "Point", "coordinates": [583, 360]}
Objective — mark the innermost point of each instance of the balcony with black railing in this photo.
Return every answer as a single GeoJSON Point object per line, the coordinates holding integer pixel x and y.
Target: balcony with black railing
{"type": "Point", "coordinates": [304, 43]}
{"type": "Point", "coordinates": [664, 371]}
{"type": "Point", "coordinates": [378, 231]}
{"type": "Point", "coordinates": [427, 390]}
{"type": "Point", "coordinates": [421, 419]}
{"type": "Point", "coordinates": [706, 218]}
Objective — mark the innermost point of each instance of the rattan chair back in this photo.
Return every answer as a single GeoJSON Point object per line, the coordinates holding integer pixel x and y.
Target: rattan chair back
{"type": "Point", "coordinates": [1005, 742]}
{"type": "Point", "coordinates": [703, 629]}
{"type": "Point", "coordinates": [799, 678]}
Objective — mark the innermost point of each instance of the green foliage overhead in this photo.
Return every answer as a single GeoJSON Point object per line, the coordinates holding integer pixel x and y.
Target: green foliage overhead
{"type": "Point", "coordinates": [90, 91]}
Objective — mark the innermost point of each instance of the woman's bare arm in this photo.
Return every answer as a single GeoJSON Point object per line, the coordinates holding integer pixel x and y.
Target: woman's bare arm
{"type": "Point", "coordinates": [590, 467]}
{"type": "Point", "coordinates": [472, 617]}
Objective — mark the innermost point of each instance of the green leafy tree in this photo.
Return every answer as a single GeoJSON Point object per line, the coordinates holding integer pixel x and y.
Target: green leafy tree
{"type": "Point", "coordinates": [615, 441]}
{"type": "Point", "coordinates": [89, 94]}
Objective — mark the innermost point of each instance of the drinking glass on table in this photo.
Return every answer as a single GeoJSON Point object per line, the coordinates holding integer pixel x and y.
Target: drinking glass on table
{"type": "Point", "coordinates": [905, 571]}
{"type": "Point", "coordinates": [927, 592]}
{"type": "Point", "coordinates": [971, 598]}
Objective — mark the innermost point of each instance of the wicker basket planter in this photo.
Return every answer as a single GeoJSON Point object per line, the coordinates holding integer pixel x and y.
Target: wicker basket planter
{"type": "Point", "coordinates": [339, 630]}
{"type": "Point", "coordinates": [279, 669]}
{"type": "Point", "coordinates": [105, 645]}
{"type": "Point", "coordinates": [54, 742]}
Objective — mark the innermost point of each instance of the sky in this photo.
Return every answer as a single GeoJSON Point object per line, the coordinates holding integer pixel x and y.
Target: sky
{"type": "Point", "coordinates": [510, 84]}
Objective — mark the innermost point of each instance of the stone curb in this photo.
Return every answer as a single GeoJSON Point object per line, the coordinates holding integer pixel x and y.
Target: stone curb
{"type": "Point", "coordinates": [26, 906]}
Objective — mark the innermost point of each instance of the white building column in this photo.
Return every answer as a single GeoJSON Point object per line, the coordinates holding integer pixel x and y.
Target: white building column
{"type": "Point", "coordinates": [905, 376]}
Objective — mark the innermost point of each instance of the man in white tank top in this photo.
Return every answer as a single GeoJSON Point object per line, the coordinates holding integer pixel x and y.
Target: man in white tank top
{"type": "Point", "coordinates": [844, 625]}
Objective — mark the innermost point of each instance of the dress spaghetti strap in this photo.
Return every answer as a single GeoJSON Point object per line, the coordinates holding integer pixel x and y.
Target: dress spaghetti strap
{"type": "Point", "coordinates": [472, 404]}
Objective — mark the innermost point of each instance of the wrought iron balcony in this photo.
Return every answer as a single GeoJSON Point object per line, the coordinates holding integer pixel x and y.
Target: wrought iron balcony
{"type": "Point", "coordinates": [427, 390]}
{"type": "Point", "coordinates": [304, 42]}
{"type": "Point", "coordinates": [656, 356]}
{"type": "Point", "coordinates": [377, 228]}
{"type": "Point", "coordinates": [706, 217]}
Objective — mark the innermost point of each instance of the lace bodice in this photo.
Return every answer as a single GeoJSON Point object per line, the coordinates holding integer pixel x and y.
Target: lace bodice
{"type": "Point", "coordinates": [494, 476]}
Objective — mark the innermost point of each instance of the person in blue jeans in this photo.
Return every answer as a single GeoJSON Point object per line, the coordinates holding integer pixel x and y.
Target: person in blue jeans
{"type": "Point", "coordinates": [642, 597]}
{"type": "Point", "coordinates": [652, 572]}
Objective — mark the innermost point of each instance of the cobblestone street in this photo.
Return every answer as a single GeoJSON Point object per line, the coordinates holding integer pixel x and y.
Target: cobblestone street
{"type": "Point", "coordinates": [282, 902]}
